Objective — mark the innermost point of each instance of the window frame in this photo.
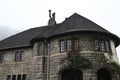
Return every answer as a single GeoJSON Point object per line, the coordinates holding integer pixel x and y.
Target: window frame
{"type": "Point", "coordinates": [1, 57]}
{"type": "Point", "coordinates": [102, 45]}
{"type": "Point", "coordinates": [40, 48]}
{"type": "Point", "coordinates": [107, 46]}
{"type": "Point", "coordinates": [62, 46]}
{"type": "Point", "coordinates": [18, 56]}
{"type": "Point", "coordinates": [76, 44]}
{"type": "Point", "coordinates": [16, 77]}
{"type": "Point", "coordinates": [9, 77]}
{"type": "Point", "coordinates": [69, 45]}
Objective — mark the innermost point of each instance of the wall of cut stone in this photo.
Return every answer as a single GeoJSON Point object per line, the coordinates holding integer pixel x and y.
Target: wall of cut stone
{"type": "Point", "coordinates": [33, 64]}
{"type": "Point", "coordinates": [10, 67]}
{"type": "Point", "coordinates": [87, 44]}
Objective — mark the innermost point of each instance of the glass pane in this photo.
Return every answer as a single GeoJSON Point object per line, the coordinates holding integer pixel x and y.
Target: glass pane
{"type": "Point", "coordinates": [1, 58]}
{"type": "Point", "coordinates": [40, 49]}
{"type": "Point", "coordinates": [107, 45]}
{"type": "Point", "coordinates": [97, 47]}
{"type": "Point", "coordinates": [76, 45]}
{"type": "Point", "coordinates": [14, 77]}
{"type": "Point", "coordinates": [69, 45]}
{"type": "Point", "coordinates": [17, 56]}
{"type": "Point", "coordinates": [21, 55]}
{"type": "Point", "coordinates": [62, 46]}
{"type": "Point", "coordinates": [19, 77]}
{"type": "Point", "coordinates": [9, 77]}
{"type": "Point", "coordinates": [24, 77]}
{"type": "Point", "coordinates": [102, 46]}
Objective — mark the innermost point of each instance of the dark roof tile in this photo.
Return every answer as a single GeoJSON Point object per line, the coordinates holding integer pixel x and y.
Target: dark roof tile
{"type": "Point", "coordinates": [75, 23]}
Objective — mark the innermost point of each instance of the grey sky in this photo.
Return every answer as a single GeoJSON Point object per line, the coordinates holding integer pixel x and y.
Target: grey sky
{"type": "Point", "coordinates": [19, 15]}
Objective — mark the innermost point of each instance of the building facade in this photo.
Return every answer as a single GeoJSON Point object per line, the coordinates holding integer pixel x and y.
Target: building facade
{"type": "Point", "coordinates": [76, 49]}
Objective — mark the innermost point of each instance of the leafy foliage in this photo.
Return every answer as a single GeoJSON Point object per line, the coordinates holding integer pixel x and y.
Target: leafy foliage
{"type": "Point", "coordinates": [116, 66]}
{"type": "Point", "coordinates": [77, 61]}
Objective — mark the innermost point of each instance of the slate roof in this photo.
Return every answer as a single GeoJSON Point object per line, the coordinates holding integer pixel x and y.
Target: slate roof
{"type": "Point", "coordinates": [23, 39]}
{"type": "Point", "coordinates": [75, 23]}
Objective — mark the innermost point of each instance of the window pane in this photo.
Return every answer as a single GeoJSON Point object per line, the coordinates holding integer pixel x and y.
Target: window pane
{"type": "Point", "coordinates": [69, 45]}
{"type": "Point", "coordinates": [44, 63]}
{"type": "Point", "coordinates": [19, 77]}
{"type": "Point", "coordinates": [76, 43]}
{"type": "Point", "coordinates": [102, 46]}
{"type": "Point", "coordinates": [24, 77]}
{"type": "Point", "coordinates": [40, 49]}
{"type": "Point", "coordinates": [1, 58]}
{"type": "Point", "coordinates": [9, 77]}
{"type": "Point", "coordinates": [49, 48]}
{"type": "Point", "coordinates": [20, 55]}
{"type": "Point", "coordinates": [14, 77]}
{"type": "Point", "coordinates": [107, 45]}
{"type": "Point", "coordinates": [62, 46]}
{"type": "Point", "coordinates": [17, 56]}
{"type": "Point", "coordinates": [97, 47]}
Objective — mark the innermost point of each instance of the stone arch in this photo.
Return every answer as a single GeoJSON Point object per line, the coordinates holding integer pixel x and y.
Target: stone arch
{"type": "Point", "coordinates": [71, 74]}
{"type": "Point", "coordinates": [104, 74]}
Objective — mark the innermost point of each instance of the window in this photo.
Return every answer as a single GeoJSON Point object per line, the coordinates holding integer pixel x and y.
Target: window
{"type": "Point", "coordinates": [107, 45]}
{"type": "Point", "coordinates": [18, 55]}
{"type": "Point", "coordinates": [102, 45]}
{"type": "Point", "coordinates": [69, 45]}
{"type": "Point", "coordinates": [76, 44]}
{"type": "Point", "coordinates": [17, 77]}
{"type": "Point", "coordinates": [40, 49]}
{"type": "Point", "coordinates": [49, 48]}
{"type": "Point", "coordinates": [1, 58]}
{"type": "Point", "coordinates": [14, 77]}
{"type": "Point", "coordinates": [24, 77]}
{"type": "Point", "coordinates": [9, 77]}
{"type": "Point", "coordinates": [44, 65]}
{"type": "Point", "coordinates": [62, 46]}
{"type": "Point", "coordinates": [97, 47]}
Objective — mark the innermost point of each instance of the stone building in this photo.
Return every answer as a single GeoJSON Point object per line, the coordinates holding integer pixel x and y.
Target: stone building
{"type": "Point", "coordinates": [76, 49]}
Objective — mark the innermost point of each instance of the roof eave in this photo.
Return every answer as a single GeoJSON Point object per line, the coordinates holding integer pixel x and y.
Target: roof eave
{"type": "Point", "coordinates": [110, 35]}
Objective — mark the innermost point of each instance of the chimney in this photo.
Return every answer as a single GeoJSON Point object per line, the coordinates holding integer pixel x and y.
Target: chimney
{"type": "Point", "coordinates": [51, 21]}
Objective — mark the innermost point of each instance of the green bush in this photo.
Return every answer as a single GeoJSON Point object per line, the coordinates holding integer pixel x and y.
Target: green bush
{"type": "Point", "coordinates": [77, 61]}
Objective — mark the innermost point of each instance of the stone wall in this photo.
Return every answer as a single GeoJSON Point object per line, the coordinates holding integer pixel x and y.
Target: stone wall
{"type": "Point", "coordinates": [10, 67]}
{"type": "Point", "coordinates": [48, 65]}
{"type": "Point", "coordinates": [96, 57]}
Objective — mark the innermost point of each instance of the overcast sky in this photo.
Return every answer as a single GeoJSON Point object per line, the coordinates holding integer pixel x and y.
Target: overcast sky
{"type": "Point", "coordinates": [19, 15]}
